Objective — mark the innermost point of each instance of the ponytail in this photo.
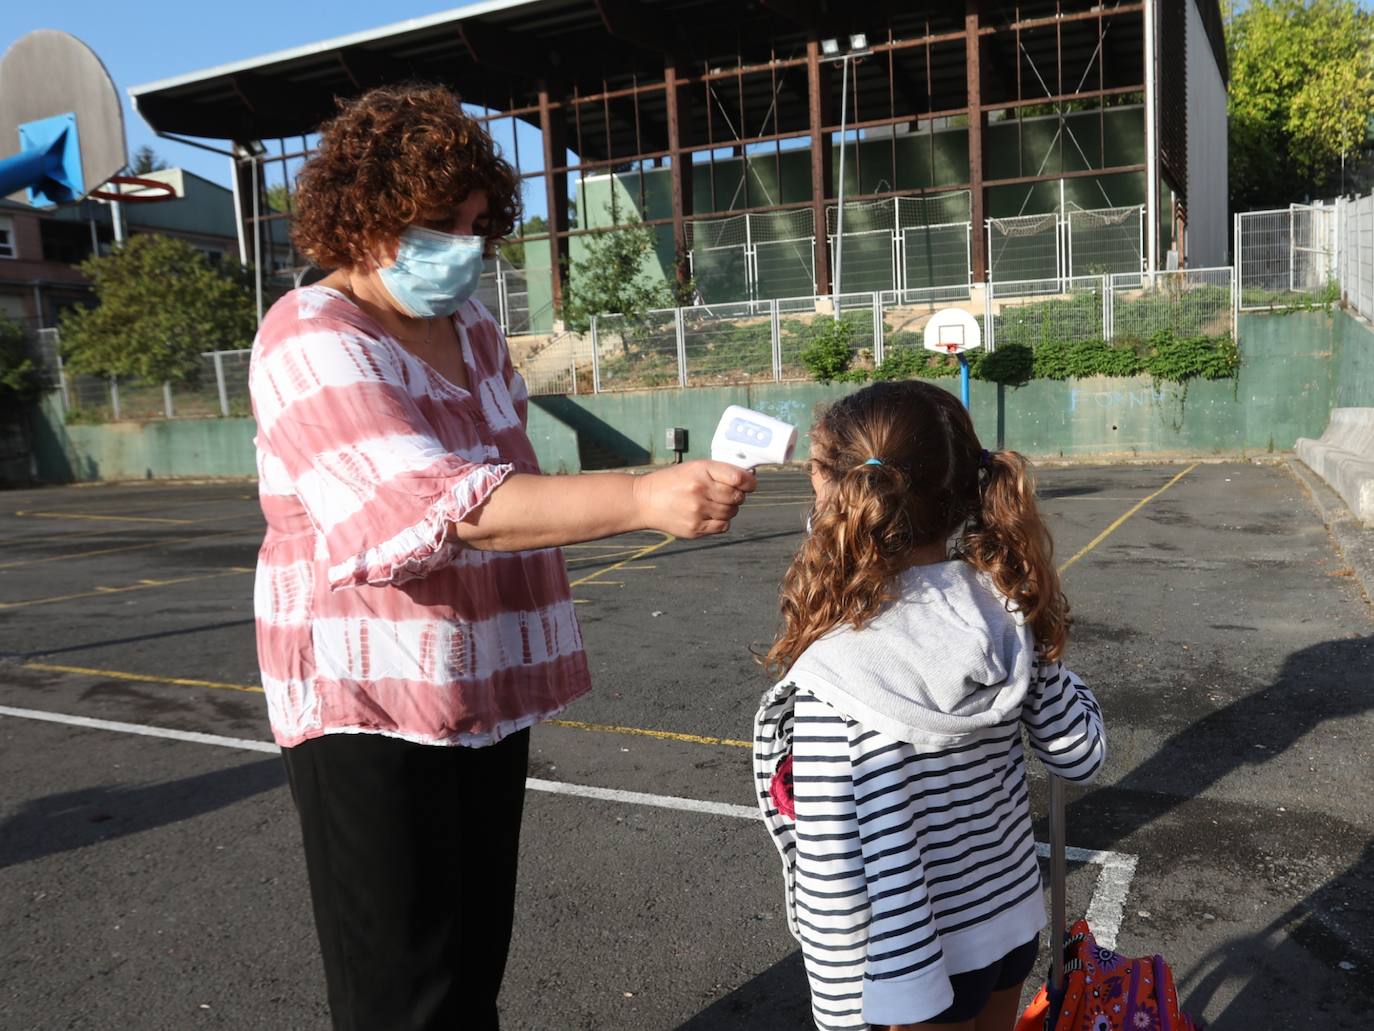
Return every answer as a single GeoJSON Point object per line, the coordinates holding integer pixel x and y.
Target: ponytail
{"type": "Point", "coordinates": [845, 570]}
{"type": "Point", "coordinates": [1007, 539]}
{"type": "Point", "coordinates": [904, 469]}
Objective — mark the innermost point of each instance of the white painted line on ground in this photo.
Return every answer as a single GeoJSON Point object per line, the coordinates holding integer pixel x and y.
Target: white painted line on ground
{"type": "Point", "coordinates": [139, 728]}
{"type": "Point", "coordinates": [1105, 910]}
{"type": "Point", "coordinates": [690, 805]}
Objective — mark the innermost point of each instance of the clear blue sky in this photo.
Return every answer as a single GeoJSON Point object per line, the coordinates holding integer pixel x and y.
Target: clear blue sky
{"type": "Point", "coordinates": [144, 42]}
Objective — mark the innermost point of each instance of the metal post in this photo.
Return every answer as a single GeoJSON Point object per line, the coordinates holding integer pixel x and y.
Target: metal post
{"type": "Point", "coordinates": [572, 364]}
{"type": "Point", "coordinates": [114, 397]}
{"type": "Point", "coordinates": [596, 359]}
{"type": "Point", "coordinates": [62, 383]}
{"type": "Point", "coordinates": [1058, 876]}
{"type": "Point", "coordinates": [775, 330]}
{"type": "Point", "coordinates": [219, 384]}
{"type": "Point", "coordinates": [877, 327]}
{"type": "Point", "coordinates": [1067, 271]}
{"type": "Point", "coordinates": [1151, 140]}
{"type": "Point", "coordinates": [963, 377]}
{"type": "Point", "coordinates": [257, 238]}
{"type": "Point", "coordinates": [681, 334]}
{"type": "Point", "coordinates": [839, 211]}
{"type": "Point", "coordinates": [989, 336]}
{"type": "Point", "coordinates": [167, 409]}
{"type": "Point", "coordinates": [1107, 316]}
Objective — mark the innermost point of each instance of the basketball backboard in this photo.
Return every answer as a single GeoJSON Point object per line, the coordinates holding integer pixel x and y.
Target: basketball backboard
{"type": "Point", "coordinates": [50, 80]}
{"type": "Point", "coordinates": [952, 331]}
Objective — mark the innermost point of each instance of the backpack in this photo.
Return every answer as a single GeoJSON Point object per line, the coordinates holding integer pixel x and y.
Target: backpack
{"type": "Point", "coordinates": [1105, 991]}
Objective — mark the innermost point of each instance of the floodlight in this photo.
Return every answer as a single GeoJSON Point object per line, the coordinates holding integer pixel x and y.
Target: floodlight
{"type": "Point", "coordinates": [858, 41]}
{"type": "Point", "coordinates": [830, 47]}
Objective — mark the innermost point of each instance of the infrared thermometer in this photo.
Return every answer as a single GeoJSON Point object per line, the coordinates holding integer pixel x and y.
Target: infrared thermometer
{"type": "Point", "coordinates": [746, 439]}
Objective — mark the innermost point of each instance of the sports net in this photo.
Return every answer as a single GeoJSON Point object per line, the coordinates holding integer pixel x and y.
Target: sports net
{"type": "Point", "coordinates": [1104, 241]}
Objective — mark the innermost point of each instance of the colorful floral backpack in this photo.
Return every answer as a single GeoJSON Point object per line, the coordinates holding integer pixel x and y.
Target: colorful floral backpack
{"type": "Point", "coordinates": [1105, 991]}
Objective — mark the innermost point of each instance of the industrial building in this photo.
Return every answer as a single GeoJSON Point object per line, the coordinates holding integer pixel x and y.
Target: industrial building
{"type": "Point", "coordinates": [942, 145]}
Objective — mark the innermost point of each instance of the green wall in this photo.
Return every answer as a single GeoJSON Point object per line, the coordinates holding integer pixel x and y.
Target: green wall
{"type": "Point", "coordinates": [1295, 369]}
{"type": "Point", "coordinates": [1355, 366]}
{"type": "Point", "coordinates": [1284, 391]}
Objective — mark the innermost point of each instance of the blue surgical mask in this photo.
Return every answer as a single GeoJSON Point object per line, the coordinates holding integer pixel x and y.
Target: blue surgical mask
{"type": "Point", "coordinates": [434, 272]}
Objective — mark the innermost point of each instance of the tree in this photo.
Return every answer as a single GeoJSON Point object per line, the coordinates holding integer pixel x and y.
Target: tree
{"type": "Point", "coordinates": [513, 250]}
{"type": "Point", "coordinates": [279, 197]}
{"type": "Point", "coordinates": [1301, 97]}
{"type": "Point", "coordinates": [610, 278]}
{"type": "Point", "coordinates": [146, 160]}
{"type": "Point", "coordinates": [20, 381]}
{"type": "Point", "coordinates": [160, 304]}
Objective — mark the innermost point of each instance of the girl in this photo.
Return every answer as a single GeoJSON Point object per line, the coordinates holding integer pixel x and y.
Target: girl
{"type": "Point", "coordinates": [889, 754]}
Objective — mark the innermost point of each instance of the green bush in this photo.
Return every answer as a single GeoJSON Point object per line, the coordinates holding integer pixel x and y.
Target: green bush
{"type": "Point", "coordinates": [1011, 365]}
{"type": "Point", "coordinates": [827, 355]}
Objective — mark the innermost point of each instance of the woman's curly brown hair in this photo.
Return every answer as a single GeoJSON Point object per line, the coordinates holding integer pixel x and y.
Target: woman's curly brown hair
{"type": "Point", "coordinates": [934, 483]}
{"type": "Point", "coordinates": [385, 160]}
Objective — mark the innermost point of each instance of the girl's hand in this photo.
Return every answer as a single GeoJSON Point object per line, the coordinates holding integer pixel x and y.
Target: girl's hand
{"type": "Point", "coordinates": [695, 499]}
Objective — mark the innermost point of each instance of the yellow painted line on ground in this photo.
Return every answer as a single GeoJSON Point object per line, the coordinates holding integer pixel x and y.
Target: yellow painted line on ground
{"type": "Point", "coordinates": [604, 583]}
{"type": "Point", "coordinates": [644, 552]}
{"type": "Point", "coordinates": [142, 585]}
{"type": "Point", "coordinates": [662, 735]}
{"type": "Point", "coordinates": [1116, 524]}
{"type": "Point", "coordinates": [601, 728]}
{"type": "Point", "coordinates": [129, 547]}
{"type": "Point", "coordinates": [106, 518]}
{"type": "Point", "coordinates": [139, 678]}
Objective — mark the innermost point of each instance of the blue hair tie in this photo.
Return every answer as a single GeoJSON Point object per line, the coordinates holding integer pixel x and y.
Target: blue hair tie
{"type": "Point", "coordinates": [874, 461]}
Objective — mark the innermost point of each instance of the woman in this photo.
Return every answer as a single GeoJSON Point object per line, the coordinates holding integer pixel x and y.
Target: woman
{"type": "Point", "coordinates": [414, 616]}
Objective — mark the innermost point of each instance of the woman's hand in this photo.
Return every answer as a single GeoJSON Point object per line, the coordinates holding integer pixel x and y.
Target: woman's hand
{"type": "Point", "coordinates": [695, 499]}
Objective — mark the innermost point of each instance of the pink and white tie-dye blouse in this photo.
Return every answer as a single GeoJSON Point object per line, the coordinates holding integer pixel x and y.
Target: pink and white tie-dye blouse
{"type": "Point", "coordinates": [368, 618]}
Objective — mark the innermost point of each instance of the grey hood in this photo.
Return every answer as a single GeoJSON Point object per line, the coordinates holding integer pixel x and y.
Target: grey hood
{"type": "Point", "coordinates": [943, 660]}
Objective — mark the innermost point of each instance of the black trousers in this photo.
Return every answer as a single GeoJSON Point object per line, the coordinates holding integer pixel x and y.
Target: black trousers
{"type": "Point", "coordinates": [411, 852]}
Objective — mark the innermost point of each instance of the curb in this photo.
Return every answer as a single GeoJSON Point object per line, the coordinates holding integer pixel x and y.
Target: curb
{"type": "Point", "coordinates": [1354, 543]}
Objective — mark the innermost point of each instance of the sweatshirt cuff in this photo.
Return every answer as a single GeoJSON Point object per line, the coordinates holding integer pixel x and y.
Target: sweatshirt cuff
{"type": "Point", "coordinates": [907, 1000]}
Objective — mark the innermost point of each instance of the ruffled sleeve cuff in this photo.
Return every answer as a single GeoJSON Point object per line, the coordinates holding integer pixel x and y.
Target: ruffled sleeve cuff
{"type": "Point", "coordinates": [420, 549]}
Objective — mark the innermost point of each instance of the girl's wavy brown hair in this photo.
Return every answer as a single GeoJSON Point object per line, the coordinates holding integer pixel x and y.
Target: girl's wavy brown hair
{"type": "Point", "coordinates": [385, 160]}
{"type": "Point", "coordinates": [933, 486]}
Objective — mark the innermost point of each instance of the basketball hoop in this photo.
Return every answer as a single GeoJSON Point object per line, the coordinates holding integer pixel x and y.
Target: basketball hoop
{"type": "Point", "coordinates": [161, 190]}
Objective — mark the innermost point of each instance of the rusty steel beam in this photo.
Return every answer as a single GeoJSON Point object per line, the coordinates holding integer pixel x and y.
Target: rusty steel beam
{"type": "Point", "coordinates": [822, 175]}
{"type": "Point", "coordinates": [974, 77]}
{"type": "Point", "coordinates": [555, 191]}
{"type": "Point", "coordinates": [680, 185]}
{"type": "Point", "coordinates": [1084, 173]}
{"type": "Point", "coordinates": [1064, 98]}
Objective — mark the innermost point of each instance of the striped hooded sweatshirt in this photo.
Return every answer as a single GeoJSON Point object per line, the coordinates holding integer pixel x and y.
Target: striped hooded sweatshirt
{"type": "Point", "coordinates": [908, 854]}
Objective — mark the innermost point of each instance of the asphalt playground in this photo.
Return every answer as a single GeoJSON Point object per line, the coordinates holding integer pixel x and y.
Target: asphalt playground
{"type": "Point", "coordinates": [150, 868]}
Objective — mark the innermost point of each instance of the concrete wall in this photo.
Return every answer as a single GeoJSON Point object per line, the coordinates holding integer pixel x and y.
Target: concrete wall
{"type": "Point", "coordinates": [1284, 391]}
{"type": "Point", "coordinates": [1354, 372]}
{"type": "Point", "coordinates": [1296, 368]}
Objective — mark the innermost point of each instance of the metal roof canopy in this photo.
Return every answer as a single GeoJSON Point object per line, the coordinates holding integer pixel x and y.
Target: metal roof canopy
{"type": "Point", "coordinates": [495, 54]}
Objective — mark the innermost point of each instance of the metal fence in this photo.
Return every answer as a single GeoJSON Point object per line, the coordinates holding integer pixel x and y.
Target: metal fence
{"type": "Point", "coordinates": [219, 388]}
{"type": "Point", "coordinates": [1046, 252]}
{"type": "Point", "coordinates": [1355, 253]}
{"type": "Point", "coordinates": [1286, 257]}
{"type": "Point", "coordinates": [763, 341]}
{"type": "Point", "coordinates": [505, 290]}
{"type": "Point", "coordinates": [756, 341]}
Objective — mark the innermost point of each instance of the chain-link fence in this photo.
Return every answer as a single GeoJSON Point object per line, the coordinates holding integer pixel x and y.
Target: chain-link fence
{"type": "Point", "coordinates": [1286, 258]}
{"type": "Point", "coordinates": [1355, 253]}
